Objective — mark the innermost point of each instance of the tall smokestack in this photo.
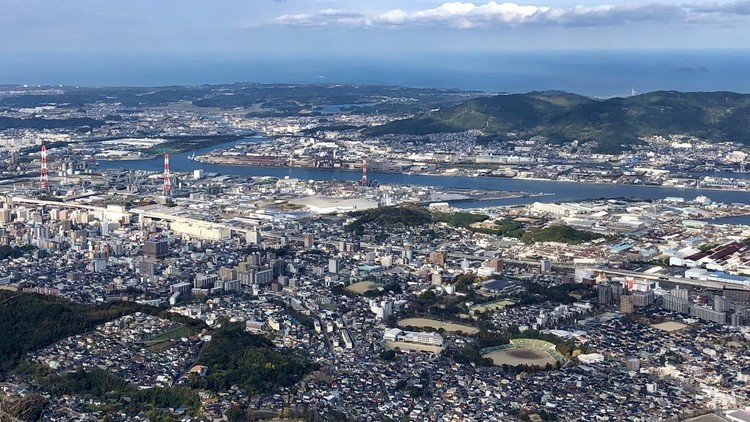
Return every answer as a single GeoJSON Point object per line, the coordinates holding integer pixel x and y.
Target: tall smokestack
{"type": "Point", "coordinates": [364, 172]}
{"type": "Point", "coordinates": [167, 176]}
{"type": "Point", "coordinates": [43, 176]}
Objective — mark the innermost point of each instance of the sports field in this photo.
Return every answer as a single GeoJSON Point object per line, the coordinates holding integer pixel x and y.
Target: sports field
{"type": "Point", "coordinates": [413, 346]}
{"type": "Point", "coordinates": [524, 351]}
{"type": "Point", "coordinates": [670, 326]}
{"type": "Point", "coordinates": [515, 357]}
{"type": "Point", "coordinates": [361, 287]}
{"type": "Point", "coordinates": [433, 323]}
{"type": "Point", "coordinates": [492, 306]}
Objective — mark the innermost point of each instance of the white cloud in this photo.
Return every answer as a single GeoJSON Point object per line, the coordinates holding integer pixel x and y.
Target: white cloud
{"type": "Point", "coordinates": [493, 13]}
{"type": "Point", "coordinates": [734, 8]}
{"type": "Point", "coordinates": [325, 17]}
{"type": "Point", "coordinates": [393, 17]}
{"type": "Point", "coordinates": [467, 15]}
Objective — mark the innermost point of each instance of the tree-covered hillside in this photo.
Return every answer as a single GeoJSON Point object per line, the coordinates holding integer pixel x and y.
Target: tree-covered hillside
{"type": "Point", "coordinates": [236, 357]}
{"type": "Point", "coordinates": [30, 322]}
{"type": "Point", "coordinates": [614, 123]}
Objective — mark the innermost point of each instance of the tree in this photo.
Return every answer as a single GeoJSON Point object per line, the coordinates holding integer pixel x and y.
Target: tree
{"type": "Point", "coordinates": [388, 355]}
{"type": "Point", "coordinates": [236, 357]}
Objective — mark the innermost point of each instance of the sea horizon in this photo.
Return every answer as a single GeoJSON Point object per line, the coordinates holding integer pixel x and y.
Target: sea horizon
{"type": "Point", "coordinates": [595, 73]}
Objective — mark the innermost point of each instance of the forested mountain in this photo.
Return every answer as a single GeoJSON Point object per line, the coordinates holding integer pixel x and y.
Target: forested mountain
{"type": "Point", "coordinates": [615, 123]}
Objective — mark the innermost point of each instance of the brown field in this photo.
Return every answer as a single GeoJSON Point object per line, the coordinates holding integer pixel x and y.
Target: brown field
{"type": "Point", "coordinates": [413, 346]}
{"type": "Point", "coordinates": [520, 356]}
{"type": "Point", "coordinates": [362, 287]}
{"type": "Point", "coordinates": [670, 326]}
{"type": "Point", "coordinates": [492, 306]}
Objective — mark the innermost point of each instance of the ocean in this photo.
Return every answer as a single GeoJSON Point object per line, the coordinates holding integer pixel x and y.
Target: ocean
{"type": "Point", "coordinates": [598, 73]}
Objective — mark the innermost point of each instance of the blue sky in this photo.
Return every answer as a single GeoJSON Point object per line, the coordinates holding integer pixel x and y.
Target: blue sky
{"type": "Point", "coordinates": [367, 27]}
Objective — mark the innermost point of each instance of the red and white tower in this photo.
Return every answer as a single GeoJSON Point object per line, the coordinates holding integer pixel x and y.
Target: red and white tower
{"type": "Point", "coordinates": [167, 176]}
{"type": "Point", "coordinates": [43, 176]}
{"type": "Point", "coordinates": [364, 172]}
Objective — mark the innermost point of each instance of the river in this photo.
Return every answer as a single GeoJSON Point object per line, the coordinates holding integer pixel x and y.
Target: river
{"type": "Point", "coordinates": [740, 220]}
{"type": "Point", "coordinates": [562, 191]}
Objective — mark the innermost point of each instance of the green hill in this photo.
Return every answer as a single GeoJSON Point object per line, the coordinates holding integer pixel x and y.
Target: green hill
{"type": "Point", "coordinates": [30, 322]}
{"type": "Point", "coordinates": [614, 123]}
{"type": "Point", "coordinates": [388, 217]}
{"type": "Point", "coordinates": [236, 357]}
{"type": "Point", "coordinates": [558, 233]}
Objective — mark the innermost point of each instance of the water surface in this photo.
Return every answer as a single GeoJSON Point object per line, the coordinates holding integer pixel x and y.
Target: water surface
{"type": "Point", "coordinates": [562, 191]}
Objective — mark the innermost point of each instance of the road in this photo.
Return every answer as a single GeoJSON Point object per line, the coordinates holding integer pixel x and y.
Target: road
{"type": "Point", "coordinates": [674, 280]}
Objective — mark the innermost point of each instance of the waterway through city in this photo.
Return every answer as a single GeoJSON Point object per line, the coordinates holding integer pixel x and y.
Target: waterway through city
{"type": "Point", "coordinates": [560, 191]}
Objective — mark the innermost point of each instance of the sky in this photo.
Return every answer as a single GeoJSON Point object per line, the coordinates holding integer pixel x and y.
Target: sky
{"type": "Point", "coordinates": [594, 47]}
{"type": "Point", "coordinates": [367, 27]}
